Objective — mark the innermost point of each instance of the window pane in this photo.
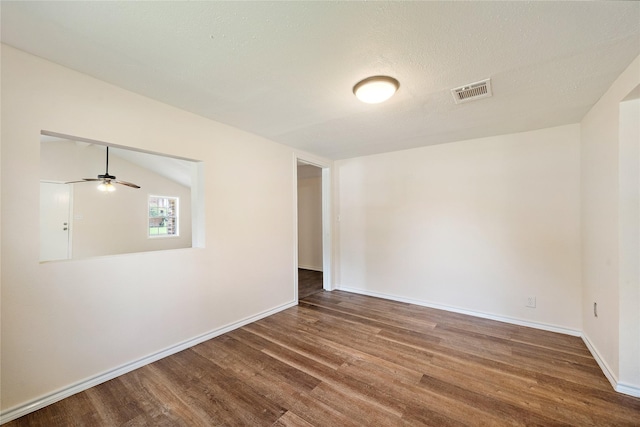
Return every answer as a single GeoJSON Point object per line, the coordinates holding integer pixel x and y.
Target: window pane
{"type": "Point", "coordinates": [163, 216]}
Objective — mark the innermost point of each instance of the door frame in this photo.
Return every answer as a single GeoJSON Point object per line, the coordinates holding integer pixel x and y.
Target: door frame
{"type": "Point", "coordinates": [69, 221]}
{"type": "Point", "coordinates": [327, 215]}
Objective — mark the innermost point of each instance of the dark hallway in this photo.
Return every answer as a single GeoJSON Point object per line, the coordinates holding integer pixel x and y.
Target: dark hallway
{"type": "Point", "coordinates": [309, 282]}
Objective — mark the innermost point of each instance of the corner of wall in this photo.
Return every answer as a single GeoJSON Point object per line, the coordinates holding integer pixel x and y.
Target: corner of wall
{"type": "Point", "coordinates": [601, 249]}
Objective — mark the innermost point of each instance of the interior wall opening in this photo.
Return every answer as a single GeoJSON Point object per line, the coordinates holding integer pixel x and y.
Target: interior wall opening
{"type": "Point", "coordinates": [100, 199]}
{"type": "Point", "coordinates": [310, 230]}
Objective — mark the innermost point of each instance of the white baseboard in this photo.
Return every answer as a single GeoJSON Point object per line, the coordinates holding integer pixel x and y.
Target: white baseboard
{"type": "Point", "coordinates": [606, 370]}
{"type": "Point", "coordinates": [309, 267]}
{"type": "Point", "coordinates": [505, 319]}
{"type": "Point", "coordinates": [600, 361]}
{"type": "Point", "coordinates": [48, 399]}
{"type": "Point", "coordinates": [628, 389]}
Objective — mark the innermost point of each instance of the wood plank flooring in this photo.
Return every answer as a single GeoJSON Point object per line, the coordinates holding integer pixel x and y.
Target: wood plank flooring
{"type": "Point", "coordinates": [341, 359]}
{"type": "Point", "coordinates": [309, 282]}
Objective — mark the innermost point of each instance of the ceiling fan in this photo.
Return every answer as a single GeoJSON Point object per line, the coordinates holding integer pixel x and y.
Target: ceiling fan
{"type": "Point", "coordinates": [107, 180]}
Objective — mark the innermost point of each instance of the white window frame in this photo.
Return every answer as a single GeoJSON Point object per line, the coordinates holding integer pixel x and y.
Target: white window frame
{"type": "Point", "coordinates": [176, 216]}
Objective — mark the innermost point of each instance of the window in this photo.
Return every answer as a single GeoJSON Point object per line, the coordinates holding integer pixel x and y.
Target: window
{"type": "Point", "coordinates": [163, 216]}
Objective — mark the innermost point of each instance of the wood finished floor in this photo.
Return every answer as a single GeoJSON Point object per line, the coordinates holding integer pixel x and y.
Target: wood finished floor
{"type": "Point", "coordinates": [309, 282]}
{"type": "Point", "coordinates": [341, 359]}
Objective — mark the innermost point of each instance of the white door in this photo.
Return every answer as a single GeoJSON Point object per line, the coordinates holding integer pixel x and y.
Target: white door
{"type": "Point", "coordinates": [55, 207]}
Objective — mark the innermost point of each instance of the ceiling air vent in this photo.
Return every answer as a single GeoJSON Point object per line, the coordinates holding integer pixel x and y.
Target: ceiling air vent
{"type": "Point", "coordinates": [472, 91]}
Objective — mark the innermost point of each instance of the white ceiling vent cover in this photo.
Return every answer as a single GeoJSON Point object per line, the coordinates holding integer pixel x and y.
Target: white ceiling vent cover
{"type": "Point", "coordinates": [472, 91]}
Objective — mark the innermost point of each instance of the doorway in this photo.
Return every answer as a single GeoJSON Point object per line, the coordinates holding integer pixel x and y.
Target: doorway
{"type": "Point", "coordinates": [55, 208]}
{"type": "Point", "coordinates": [313, 237]}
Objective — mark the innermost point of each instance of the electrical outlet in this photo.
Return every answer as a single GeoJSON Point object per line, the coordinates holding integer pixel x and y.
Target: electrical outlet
{"type": "Point", "coordinates": [531, 302]}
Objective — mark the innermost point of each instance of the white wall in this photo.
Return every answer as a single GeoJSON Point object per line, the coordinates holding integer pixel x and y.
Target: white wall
{"type": "Point", "coordinates": [630, 241]}
{"type": "Point", "coordinates": [309, 218]}
{"type": "Point", "coordinates": [112, 223]}
{"type": "Point", "coordinates": [477, 225]}
{"type": "Point", "coordinates": [64, 322]}
{"type": "Point", "coordinates": [604, 253]}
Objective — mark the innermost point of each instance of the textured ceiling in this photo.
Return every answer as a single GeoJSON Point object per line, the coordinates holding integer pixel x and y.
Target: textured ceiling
{"type": "Point", "coordinates": [285, 70]}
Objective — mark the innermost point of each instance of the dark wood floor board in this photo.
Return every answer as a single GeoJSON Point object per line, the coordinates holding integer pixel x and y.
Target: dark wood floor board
{"type": "Point", "coordinates": [337, 322]}
{"type": "Point", "coordinates": [517, 350]}
{"type": "Point", "coordinates": [518, 392]}
{"type": "Point", "coordinates": [513, 353]}
{"type": "Point", "coordinates": [340, 359]}
{"type": "Point", "coordinates": [372, 318]}
{"type": "Point", "coordinates": [299, 343]}
{"type": "Point", "coordinates": [505, 412]}
{"type": "Point", "coordinates": [626, 409]}
{"type": "Point", "coordinates": [514, 380]}
{"type": "Point", "coordinates": [290, 419]}
{"type": "Point", "coordinates": [401, 355]}
{"type": "Point", "coordinates": [336, 379]}
{"type": "Point", "coordinates": [558, 353]}
{"type": "Point", "coordinates": [366, 411]}
{"type": "Point", "coordinates": [163, 401]}
{"type": "Point", "coordinates": [245, 362]}
{"type": "Point", "coordinates": [487, 327]}
{"type": "Point", "coordinates": [338, 315]}
{"type": "Point", "coordinates": [294, 318]}
{"type": "Point", "coordinates": [424, 416]}
{"type": "Point", "coordinates": [224, 397]}
{"type": "Point", "coordinates": [302, 362]}
{"type": "Point", "coordinates": [160, 400]}
{"type": "Point", "coordinates": [401, 373]}
{"type": "Point", "coordinates": [316, 348]}
{"type": "Point", "coordinates": [318, 370]}
{"type": "Point", "coordinates": [76, 410]}
{"type": "Point", "coordinates": [435, 316]}
{"type": "Point", "coordinates": [404, 396]}
{"type": "Point", "coordinates": [300, 315]}
{"type": "Point", "coordinates": [303, 336]}
{"type": "Point", "coordinates": [378, 304]}
{"type": "Point", "coordinates": [309, 282]}
{"type": "Point", "coordinates": [570, 364]}
{"type": "Point", "coordinates": [337, 297]}
{"type": "Point", "coordinates": [408, 321]}
{"type": "Point", "coordinates": [310, 334]}
{"type": "Point", "coordinates": [318, 413]}
{"type": "Point", "coordinates": [489, 346]}
{"type": "Point", "coordinates": [569, 344]}
{"type": "Point", "coordinates": [381, 311]}
{"type": "Point", "coordinates": [414, 339]}
{"type": "Point", "coordinates": [561, 369]}
{"type": "Point", "coordinates": [268, 385]}
{"type": "Point", "coordinates": [128, 407]}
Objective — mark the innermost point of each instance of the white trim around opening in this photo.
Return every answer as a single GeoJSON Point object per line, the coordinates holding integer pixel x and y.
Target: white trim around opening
{"type": "Point", "coordinates": [327, 264]}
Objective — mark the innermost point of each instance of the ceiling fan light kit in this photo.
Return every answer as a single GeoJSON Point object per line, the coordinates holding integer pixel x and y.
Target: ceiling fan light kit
{"type": "Point", "coordinates": [106, 180]}
{"type": "Point", "coordinates": [376, 89]}
{"type": "Point", "coordinates": [107, 186]}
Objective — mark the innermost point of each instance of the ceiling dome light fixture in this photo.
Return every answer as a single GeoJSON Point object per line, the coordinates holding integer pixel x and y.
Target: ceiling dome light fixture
{"type": "Point", "coordinates": [376, 89]}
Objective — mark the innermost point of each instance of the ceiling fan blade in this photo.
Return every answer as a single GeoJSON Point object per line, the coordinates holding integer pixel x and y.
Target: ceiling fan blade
{"type": "Point", "coordinates": [83, 180]}
{"type": "Point", "coordinates": [128, 184]}
{"type": "Point", "coordinates": [106, 178]}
